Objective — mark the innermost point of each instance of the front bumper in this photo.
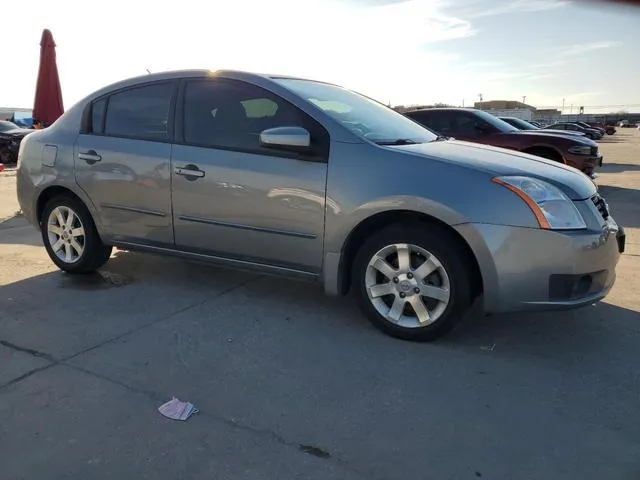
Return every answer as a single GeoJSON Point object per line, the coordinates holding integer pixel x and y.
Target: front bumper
{"type": "Point", "coordinates": [528, 269]}
{"type": "Point", "coordinates": [585, 163]}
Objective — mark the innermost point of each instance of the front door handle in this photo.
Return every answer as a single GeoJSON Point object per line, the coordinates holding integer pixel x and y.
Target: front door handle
{"type": "Point", "coordinates": [191, 172]}
{"type": "Point", "coordinates": [90, 156]}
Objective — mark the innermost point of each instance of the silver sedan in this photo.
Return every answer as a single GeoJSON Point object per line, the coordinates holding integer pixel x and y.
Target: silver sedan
{"type": "Point", "coordinates": [310, 180]}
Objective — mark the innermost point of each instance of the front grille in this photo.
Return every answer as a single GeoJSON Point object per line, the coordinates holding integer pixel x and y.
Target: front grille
{"type": "Point", "coordinates": [601, 205]}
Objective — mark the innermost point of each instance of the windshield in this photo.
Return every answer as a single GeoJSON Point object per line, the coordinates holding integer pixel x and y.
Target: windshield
{"type": "Point", "coordinates": [521, 124]}
{"type": "Point", "coordinates": [5, 126]}
{"type": "Point", "coordinates": [361, 115]}
{"type": "Point", "coordinates": [495, 122]}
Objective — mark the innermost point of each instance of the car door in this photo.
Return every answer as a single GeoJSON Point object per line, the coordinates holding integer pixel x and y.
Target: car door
{"type": "Point", "coordinates": [234, 197]}
{"type": "Point", "coordinates": [122, 159]}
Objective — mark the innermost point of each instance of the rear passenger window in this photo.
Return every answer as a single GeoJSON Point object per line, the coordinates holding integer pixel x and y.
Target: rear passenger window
{"type": "Point", "coordinates": [97, 116]}
{"type": "Point", "coordinates": [141, 113]}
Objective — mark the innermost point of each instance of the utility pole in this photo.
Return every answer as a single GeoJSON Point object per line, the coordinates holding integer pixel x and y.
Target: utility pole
{"type": "Point", "coordinates": [562, 113]}
{"type": "Point", "coordinates": [524, 97]}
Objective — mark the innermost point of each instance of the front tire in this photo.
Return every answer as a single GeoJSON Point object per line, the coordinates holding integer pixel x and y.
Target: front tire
{"type": "Point", "coordinates": [70, 236]}
{"type": "Point", "coordinates": [413, 282]}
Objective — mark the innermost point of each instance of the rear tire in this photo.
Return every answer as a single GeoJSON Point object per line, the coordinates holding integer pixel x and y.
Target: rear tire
{"type": "Point", "coordinates": [413, 282]}
{"type": "Point", "coordinates": [70, 236]}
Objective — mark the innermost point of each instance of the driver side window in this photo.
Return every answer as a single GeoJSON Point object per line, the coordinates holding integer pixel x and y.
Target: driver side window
{"type": "Point", "coordinates": [470, 125]}
{"type": "Point", "coordinates": [231, 115]}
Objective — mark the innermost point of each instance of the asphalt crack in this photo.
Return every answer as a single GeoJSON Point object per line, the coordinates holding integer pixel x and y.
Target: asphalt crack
{"type": "Point", "coordinates": [162, 319]}
{"type": "Point", "coordinates": [58, 361]}
{"type": "Point", "coordinates": [30, 351]}
{"type": "Point", "coordinates": [266, 433]}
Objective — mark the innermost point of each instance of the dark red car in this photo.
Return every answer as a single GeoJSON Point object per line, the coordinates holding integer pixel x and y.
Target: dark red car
{"type": "Point", "coordinates": [608, 129]}
{"type": "Point", "coordinates": [481, 127]}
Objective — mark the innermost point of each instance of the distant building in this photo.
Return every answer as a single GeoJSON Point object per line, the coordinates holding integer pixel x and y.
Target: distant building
{"type": "Point", "coordinates": [507, 108]}
{"type": "Point", "coordinates": [503, 105]}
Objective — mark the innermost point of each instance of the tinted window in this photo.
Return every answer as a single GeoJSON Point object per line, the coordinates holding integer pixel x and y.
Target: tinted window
{"type": "Point", "coordinates": [457, 123]}
{"type": "Point", "coordinates": [141, 112]}
{"type": "Point", "coordinates": [492, 120]}
{"type": "Point", "coordinates": [441, 122]}
{"type": "Point", "coordinates": [97, 116]}
{"type": "Point", "coordinates": [231, 114]}
{"type": "Point", "coordinates": [519, 123]}
{"type": "Point", "coordinates": [422, 117]}
{"type": "Point", "coordinates": [469, 125]}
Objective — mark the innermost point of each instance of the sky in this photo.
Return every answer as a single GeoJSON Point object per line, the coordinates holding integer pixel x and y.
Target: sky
{"type": "Point", "coordinates": [397, 51]}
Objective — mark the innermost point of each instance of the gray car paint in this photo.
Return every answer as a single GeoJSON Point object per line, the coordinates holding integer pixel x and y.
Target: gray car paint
{"type": "Point", "coordinates": [244, 221]}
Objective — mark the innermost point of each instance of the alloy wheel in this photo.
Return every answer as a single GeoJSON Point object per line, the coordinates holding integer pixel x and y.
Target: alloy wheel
{"type": "Point", "coordinates": [66, 234]}
{"type": "Point", "coordinates": [407, 285]}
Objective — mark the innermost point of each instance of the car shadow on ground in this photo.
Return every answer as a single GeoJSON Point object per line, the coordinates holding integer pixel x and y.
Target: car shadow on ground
{"type": "Point", "coordinates": [624, 204]}
{"type": "Point", "coordinates": [273, 305]}
{"type": "Point", "coordinates": [16, 230]}
{"type": "Point", "coordinates": [619, 167]}
{"type": "Point", "coordinates": [615, 139]}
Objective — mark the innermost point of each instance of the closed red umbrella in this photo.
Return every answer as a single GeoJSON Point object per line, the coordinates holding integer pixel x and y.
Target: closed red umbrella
{"type": "Point", "coordinates": [48, 104]}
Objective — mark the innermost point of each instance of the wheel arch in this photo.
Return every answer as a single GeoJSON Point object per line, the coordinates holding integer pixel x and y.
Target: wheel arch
{"type": "Point", "coordinates": [339, 281]}
{"type": "Point", "coordinates": [52, 191]}
{"type": "Point", "coordinates": [546, 148]}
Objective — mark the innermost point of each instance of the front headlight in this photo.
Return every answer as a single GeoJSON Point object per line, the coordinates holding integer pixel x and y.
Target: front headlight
{"type": "Point", "coordinates": [580, 150]}
{"type": "Point", "coordinates": [552, 208]}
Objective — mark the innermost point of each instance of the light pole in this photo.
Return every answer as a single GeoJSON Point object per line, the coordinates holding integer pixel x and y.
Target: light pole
{"type": "Point", "coordinates": [524, 97]}
{"type": "Point", "coordinates": [562, 112]}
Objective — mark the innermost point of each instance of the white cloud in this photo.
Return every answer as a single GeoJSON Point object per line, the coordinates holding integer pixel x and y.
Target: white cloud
{"type": "Point", "coordinates": [580, 48]}
{"type": "Point", "coordinates": [488, 8]}
{"type": "Point", "coordinates": [383, 49]}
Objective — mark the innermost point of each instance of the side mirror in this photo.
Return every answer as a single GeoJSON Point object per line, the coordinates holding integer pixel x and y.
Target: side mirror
{"type": "Point", "coordinates": [286, 137]}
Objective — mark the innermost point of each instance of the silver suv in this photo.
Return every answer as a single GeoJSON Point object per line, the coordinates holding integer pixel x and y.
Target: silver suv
{"type": "Point", "coordinates": [310, 180]}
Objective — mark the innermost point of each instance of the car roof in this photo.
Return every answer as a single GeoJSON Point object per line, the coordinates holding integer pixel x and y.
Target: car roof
{"type": "Point", "coordinates": [443, 109]}
{"type": "Point", "coordinates": [190, 73]}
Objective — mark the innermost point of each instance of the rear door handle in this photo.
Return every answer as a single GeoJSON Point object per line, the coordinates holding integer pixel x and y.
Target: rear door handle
{"type": "Point", "coordinates": [192, 172]}
{"type": "Point", "coordinates": [90, 156]}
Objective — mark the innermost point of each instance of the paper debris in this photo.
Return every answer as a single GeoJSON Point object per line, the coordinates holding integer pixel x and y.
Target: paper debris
{"type": "Point", "coordinates": [177, 410]}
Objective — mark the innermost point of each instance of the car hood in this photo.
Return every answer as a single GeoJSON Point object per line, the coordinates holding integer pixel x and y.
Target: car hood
{"type": "Point", "coordinates": [500, 162]}
{"type": "Point", "coordinates": [551, 131]}
{"type": "Point", "coordinates": [17, 132]}
{"type": "Point", "coordinates": [579, 139]}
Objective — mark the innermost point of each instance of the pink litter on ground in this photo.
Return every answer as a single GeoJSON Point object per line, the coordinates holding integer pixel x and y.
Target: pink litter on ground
{"type": "Point", "coordinates": [177, 410]}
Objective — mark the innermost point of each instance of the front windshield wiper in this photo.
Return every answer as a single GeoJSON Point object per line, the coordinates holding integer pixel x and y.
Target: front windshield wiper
{"type": "Point", "coordinates": [441, 138]}
{"type": "Point", "coordinates": [399, 141]}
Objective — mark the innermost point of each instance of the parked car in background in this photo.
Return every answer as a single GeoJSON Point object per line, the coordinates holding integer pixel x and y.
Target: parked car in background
{"type": "Point", "coordinates": [10, 137]}
{"type": "Point", "coordinates": [307, 179]}
{"type": "Point", "coordinates": [524, 125]}
{"type": "Point", "coordinates": [608, 129]}
{"type": "Point", "coordinates": [482, 127]}
{"type": "Point", "coordinates": [592, 133]}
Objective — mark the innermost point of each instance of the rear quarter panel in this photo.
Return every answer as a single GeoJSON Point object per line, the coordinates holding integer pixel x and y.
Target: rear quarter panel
{"type": "Point", "coordinates": [47, 160]}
